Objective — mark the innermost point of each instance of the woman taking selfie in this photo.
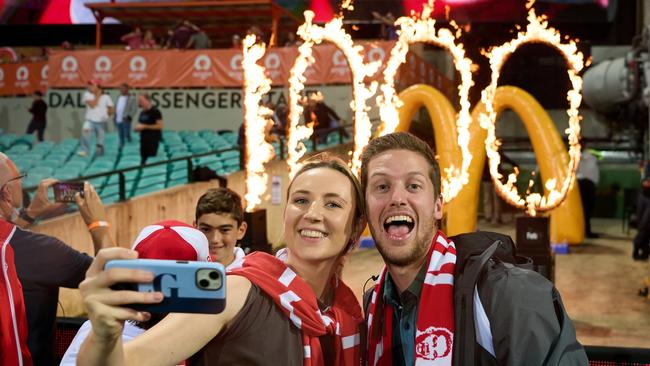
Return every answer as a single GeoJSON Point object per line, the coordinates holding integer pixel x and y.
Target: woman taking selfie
{"type": "Point", "coordinates": [289, 311]}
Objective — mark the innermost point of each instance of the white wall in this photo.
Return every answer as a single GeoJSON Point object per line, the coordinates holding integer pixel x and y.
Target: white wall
{"type": "Point", "coordinates": [182, 109]}
{"type": "Point", "coordinates": [196, 109]}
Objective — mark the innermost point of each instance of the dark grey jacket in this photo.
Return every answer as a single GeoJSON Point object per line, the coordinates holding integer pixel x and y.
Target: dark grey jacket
{"type": "Point", "coordinates": [507, 315]}
{"type": "Point", "coordinates": [504, 314]}
{"type": "Point", "coordinates": [130, 109]}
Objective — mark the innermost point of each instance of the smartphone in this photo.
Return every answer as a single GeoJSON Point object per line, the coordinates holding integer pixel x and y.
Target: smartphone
{"type": "Point", "coordinates": [188, 287]}
{"type": "Point", "coordinates": [65, 191]}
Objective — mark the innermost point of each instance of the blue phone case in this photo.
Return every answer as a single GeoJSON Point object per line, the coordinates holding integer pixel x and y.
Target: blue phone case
{"type": "Point", "coordinates": [181, 282]}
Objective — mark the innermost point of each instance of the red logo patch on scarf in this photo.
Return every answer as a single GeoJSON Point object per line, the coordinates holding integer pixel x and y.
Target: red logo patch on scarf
{"type": "Point", "coordinates": [433, 343]}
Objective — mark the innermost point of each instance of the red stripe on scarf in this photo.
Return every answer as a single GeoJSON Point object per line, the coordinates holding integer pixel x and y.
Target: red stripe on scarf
{"type": "Point", "coordinates": [298, 302]}
{"type": "Point", "coordinates": [13, 319]}
{"type": "Point", "coordinates": [434, 326]}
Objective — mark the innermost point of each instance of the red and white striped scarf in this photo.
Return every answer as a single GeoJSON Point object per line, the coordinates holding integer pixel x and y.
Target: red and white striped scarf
{"type": "Point", "coordinates": [297, 300]}
{"type": "Point", "coordinates": [434, 335]}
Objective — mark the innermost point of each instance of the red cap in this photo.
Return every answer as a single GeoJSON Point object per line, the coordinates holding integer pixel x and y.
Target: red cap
{"type": "Point", "coordinates": [95, 81]}
{"type": "Point", "coordinates": [173, 240]}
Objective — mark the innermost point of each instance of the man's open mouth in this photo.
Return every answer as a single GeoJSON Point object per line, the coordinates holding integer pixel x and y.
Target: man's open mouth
{"type": "Point", "coordinates": [399, 226]}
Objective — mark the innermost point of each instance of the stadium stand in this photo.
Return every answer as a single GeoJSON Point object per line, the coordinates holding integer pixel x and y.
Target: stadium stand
{"type": "Point", "coordinates": [59, 160]}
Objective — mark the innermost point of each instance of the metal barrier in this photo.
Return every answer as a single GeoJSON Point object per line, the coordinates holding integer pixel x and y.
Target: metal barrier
{"type": "Point", "coordinates": [190, 166]}
{"type": "Point", "coordinates": [122, 178]}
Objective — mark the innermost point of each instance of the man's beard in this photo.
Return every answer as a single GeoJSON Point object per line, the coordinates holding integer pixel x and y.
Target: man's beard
{"type": "Point", "coordinates": [414, 255]}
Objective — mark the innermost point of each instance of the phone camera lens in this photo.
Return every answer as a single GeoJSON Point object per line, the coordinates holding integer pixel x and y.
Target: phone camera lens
{"type": "Point", "coordinates": [214, 275]}
{"type": "Point", "coordinates": [204, 283]}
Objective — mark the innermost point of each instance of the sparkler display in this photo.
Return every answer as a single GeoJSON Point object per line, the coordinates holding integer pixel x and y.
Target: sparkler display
{"type": "Point", "coordinates": [423, 30]}
{"type": "Point", "coordinates": [258, 151]}
{"type": "Point", "coordinates": [414, 29]}
{"type": "Point", "coordinates": [296, 133]}
{"type": "Point", "coordinates": [332, 32]}
{"type": "Point", "coordinates": [538, 31]}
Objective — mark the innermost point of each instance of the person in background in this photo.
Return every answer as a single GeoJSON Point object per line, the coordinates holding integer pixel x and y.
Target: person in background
{"type": "Point", "coordinates": [39, 119]}
{"type": "Point", "coordinates": [13, 320]}
{"type": "Point", "coordinates": [588, 176]}
{"type": "Point", "coordinates": [181, 35]}
{"type": "Point", "coordinates": [43, 263]}
{"type": "Point", "coordinates": [220, 216]}
{"type": "Point", "coordinates": [257, 32]}
{"type": "Point", "coordinates": [236, 41]}
{"type": "Point", "coordinates": [388, 30]}
{"type": "Point", "coordinates": [199, 40]}
{"type": "Point", "coordinates": [67, 46]}
{"type": "Point", "coordinates": [168, 40]}
{"type": "Point", "coordinates": [241, 143]}
{"type": "Point", "coordinates": [149, 41]}
{"type": "Point", "coordinates": [270, 134]}
{"type": "Point", "coordinates": [126, 107]}
{"type": "Point", "coordinates": [133, 39]}
{"type": "Point", "coordinates": [492, 203]}
{"type": "Point", "coordinates": [99, 108]}
{"type": "Point", "coordinates": [150, 125]}
{"type": "Point", "coordinates": [641, 241]}
{"type": "Point", "coordinates": [292, 40]}
{"type": "Point", "coordinates": [325, 118]}
{"type": "Point", "coordinates": [169, 239]}
{"type": "Point", "coordinates": [280, 119]}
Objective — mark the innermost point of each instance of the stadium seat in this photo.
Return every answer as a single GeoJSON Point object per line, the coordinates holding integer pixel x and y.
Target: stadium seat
{"type": "Point", "coordinates": [67, 173]}
{"type": "Point", "coordinates": [21, 148]}
{"type": "Point", "coordinates": [79, 164]}
{"type": "Point", "coordinates": [178, 174]}
{"type": "Point", "coordinates": [41, 170]}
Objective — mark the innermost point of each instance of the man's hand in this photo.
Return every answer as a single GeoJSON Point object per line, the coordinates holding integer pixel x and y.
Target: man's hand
{"type": "Point", "coordinates": [92, 210]}
{"type": "Point", "coordinates": [90, 205]}
{"type": "Point", "coordinates": [41, 204]}
{"type": "Point", "coordinates": [139, 127]}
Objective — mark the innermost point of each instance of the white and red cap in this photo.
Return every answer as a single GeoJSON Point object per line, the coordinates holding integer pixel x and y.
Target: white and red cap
{"type": "Point", "coordinates": [173, 240]}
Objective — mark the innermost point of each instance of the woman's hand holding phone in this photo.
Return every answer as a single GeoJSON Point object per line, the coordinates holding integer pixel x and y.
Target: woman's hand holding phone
{"type": "Point", "coordinates": [103, 305]}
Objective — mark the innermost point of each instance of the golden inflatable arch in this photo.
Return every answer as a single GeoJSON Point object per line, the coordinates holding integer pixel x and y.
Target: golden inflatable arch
{"type": "Point", "coordinates": [566, 221]}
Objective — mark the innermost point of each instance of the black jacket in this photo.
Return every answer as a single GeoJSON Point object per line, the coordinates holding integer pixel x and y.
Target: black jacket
{"type": "Point", "coordinates": [515, 318]}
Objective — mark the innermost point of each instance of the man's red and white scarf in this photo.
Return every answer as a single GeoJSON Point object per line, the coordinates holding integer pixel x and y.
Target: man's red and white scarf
{"type": "Point", "coordinates": [434, 334]}
{"type": "Point", "coordinates": [298, 302]}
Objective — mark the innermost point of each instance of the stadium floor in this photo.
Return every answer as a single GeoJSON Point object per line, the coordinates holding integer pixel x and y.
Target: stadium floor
{"type": "Point", "coordinates": [598, 281]}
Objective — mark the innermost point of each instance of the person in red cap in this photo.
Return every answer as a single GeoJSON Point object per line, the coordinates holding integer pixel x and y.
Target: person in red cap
{"type": "Point", "coordinates": [99, 108]}
{"type": "Point", "coordinates": [279, 311]}
{"type": "Point", "coordinates": [219, 216]}
{"type": "Point", "coordinates": [169, 239]}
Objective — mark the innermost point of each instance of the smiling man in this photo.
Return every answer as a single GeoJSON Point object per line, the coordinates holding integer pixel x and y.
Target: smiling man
{"type": "Point", "coordinates": [220, 216]}
{"type": "Point", "coordinates": [412, 312]}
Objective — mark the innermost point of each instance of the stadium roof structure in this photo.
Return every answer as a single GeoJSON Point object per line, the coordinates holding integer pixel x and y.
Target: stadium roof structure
{"type": "Point", "coordinates": [220, 19]}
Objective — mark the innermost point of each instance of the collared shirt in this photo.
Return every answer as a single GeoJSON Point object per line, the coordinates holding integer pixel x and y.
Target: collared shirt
{"type": "Point", "coordinates": [98, 113]}
{"type": "Point", "coordinates": [119, 108]}
{"type": "Point", "coordinates": [588, 168]}
{"type": "Point", "coordinates": [405, 315]}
